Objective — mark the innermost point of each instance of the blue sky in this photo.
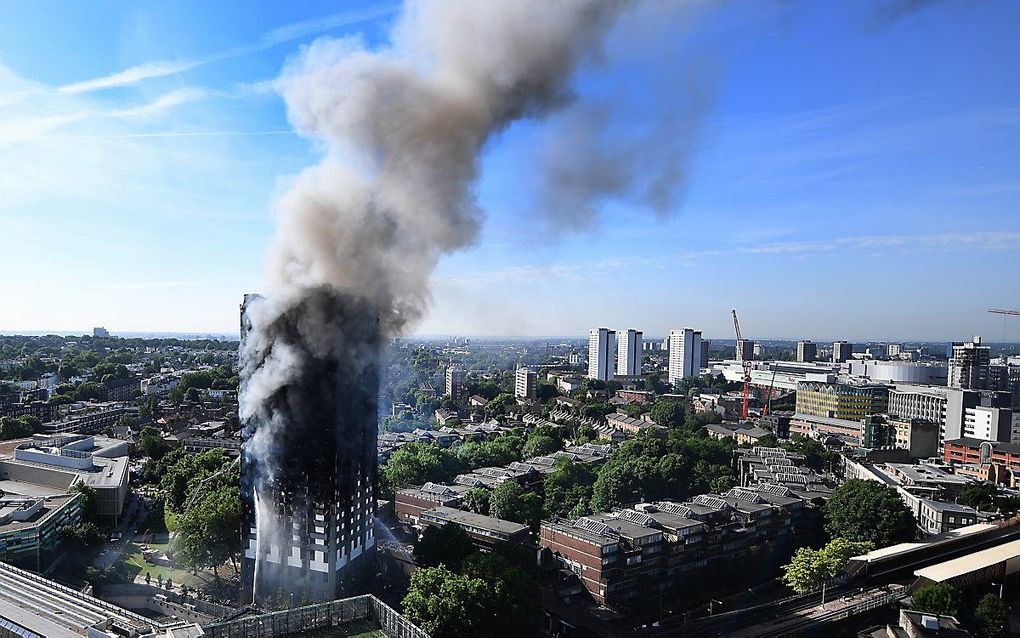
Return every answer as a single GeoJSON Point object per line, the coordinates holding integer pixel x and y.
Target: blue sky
{"type": "Point", "coordinates": [850, 174]}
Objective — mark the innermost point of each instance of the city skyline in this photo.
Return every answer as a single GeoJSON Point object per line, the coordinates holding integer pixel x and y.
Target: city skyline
{"type": "Point", "coordinates": [140, 164]}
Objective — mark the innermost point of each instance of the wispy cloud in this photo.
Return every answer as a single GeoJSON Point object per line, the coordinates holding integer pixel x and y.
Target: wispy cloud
{"type": "Point", "coordinates": [912, 243]}
{"type": "Point", "coordinates": [583, 272]}
{"type": "Point", "coordinates": [280, 35]}
{"type": "Point", "coordinates": [20, 129]}
{"type": "Point", "coordinates": [132, 75]}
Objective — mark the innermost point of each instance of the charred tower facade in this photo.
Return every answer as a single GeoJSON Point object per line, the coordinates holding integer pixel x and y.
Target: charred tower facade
{"type": "Point", "coordinates": [309, 391]}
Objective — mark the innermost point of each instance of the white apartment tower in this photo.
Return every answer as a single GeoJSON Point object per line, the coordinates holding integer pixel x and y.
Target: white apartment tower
{"type": "Point", "coordinates": [807, 351]}
{"type": "Point", "coordinates": [601, 354]}
{"type": "Point", "coordinates": [628, 353]}
{"type": "Point", "coordinates": [454, 382]}
{"type": "Point", "coordinates": [525, 383]}
{"type": "Point", "coordinates": [842, 351]}
{"type": "Point", "coordinates": [684, 354]}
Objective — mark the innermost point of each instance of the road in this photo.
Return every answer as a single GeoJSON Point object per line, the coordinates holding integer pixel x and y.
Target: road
{"type": "Point", "coordinates": [135, 510]}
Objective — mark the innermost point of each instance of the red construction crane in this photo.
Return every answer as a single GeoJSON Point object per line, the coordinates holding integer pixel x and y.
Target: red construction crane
{"type": "Point", "coordinates": [768, 397]}
{"type": "Point", "coordinates": [746, 363]}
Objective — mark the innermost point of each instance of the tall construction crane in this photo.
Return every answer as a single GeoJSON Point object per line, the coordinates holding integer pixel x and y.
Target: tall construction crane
{"type": "Point", "coordinates": [1005, 312]}
{"type": "Point", "coordinates": [746, 364]}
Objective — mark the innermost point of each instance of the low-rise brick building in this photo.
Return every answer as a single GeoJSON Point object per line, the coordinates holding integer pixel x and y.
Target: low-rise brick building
{"type": "Point", "coordinates": [649, 548]}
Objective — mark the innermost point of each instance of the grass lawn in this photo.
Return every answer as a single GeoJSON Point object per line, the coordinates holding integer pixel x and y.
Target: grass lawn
{"type": "Point", "coordinates": [135, 565]}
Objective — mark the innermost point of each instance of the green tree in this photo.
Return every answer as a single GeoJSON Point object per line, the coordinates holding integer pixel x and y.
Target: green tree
{"type": "Point", "coordinates": [546, 390]}
{"type": "Point", "coordinates": [595, 411]}
{"type": "Point", "coordinates": [447, 545]}
{"type": "Point", "coordinates": [208, 533]}
{"type": "Point", "coordinates": [978, 495]}
{"type": "Point", "coordinates": [511, 502]}
{"type": "Point", "coordinates": [540, 445]}
{"type": "Point", "coordinates": [419, 463]}
{"type": "Point", "coordinates": [477, 500]}
{"type": "Point", "coordinates": [512, 578]}
{"type": "Point", "coordinates": [991, 617]}
{"type": "Point", "coordinates": [447, 605]}
{"type": "Point", "coordinates": [89, 391]}
{"type": "Point", "coordinates": [85, 535]}
{"type": "Point", "coordinates": [500, 451]}
{"type": "Point", "coordinates": [654, 383]}
{"type": "Point", "coordinates": [152, 444]}
{"type": "Point", "coordinates": [862, 510]}
{"type": "Point", "coordinates": [813, 568]}
{"type": "Point", "coordinates": [668, 413]}
{"type": "Point", "coordinates": [937, 598]}
{"type": "Point", "coordinates": [502, 404]}
{"type": "Point", "coordinates": [815, 455]}
{"type": "Point", "coordinates": [89, 502]}
{"type": "Point", "coordinates": [19, 428]}
{"type": "Point", "coordinates": [568, 488]}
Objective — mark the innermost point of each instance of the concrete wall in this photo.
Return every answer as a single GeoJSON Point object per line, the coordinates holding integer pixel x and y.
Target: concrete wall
{"type": "Point", "coordinates": [137, 596]}
{"type": "Point", "coordinates": [54, 477]}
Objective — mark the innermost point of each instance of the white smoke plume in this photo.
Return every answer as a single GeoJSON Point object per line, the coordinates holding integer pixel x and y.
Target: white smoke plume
{"type": "Point", "coordinates": [402, 129]}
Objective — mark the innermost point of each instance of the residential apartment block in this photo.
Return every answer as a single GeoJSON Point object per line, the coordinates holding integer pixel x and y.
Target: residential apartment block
{"type": "Point", "coordinates": [601, 354]}
{"type": "Point", "coordinates": [807, 351]}
{"type": "Point", "coordinates": [968, 365]}
{"type": "Point", "coordinates": [628, 353]}
{"type": "Point", "coordinates": [684, 354]}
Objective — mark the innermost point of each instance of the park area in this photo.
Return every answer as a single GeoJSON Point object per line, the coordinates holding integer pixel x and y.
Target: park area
{"type": "Point", "coordinates": [145, 556]}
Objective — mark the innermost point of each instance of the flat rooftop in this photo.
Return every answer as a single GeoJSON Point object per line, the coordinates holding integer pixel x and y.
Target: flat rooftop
{"type": "Point", "coordinates": [970, 563]}
{"type": "Point", "coordinates": [50, 506]}
{"type": "Point", "coordinates": [903, 548]}
{"type": "Point", "coordinates": [470, 519]}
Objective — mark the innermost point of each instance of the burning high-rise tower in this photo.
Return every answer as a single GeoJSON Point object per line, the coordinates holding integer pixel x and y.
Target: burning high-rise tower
{"type": "Point", "coordinates": [309, 514]}
{"type": "Point", "coordinates": [401, 131]}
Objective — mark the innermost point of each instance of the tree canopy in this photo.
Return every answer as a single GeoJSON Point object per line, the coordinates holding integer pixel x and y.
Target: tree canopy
{"type": "Point", "coordinates": [448, 605]}
{"type": "Point", "coordinates": [19, 427]}
{"type": "Point", "coordinates": [978, 495]}
{"type": "Point", "coordinates": [419, 463]}
{"type": "Point", "coordinates": [668, 413]}
{"type": "Point", "coordinates": [490, 596]}
{"type": "Point", "coordinates": [477, 500]}
{"type": "Point", "coordinates": [937, 598]}
{"type": "Point", "coordinates": [511, 502]}
{"type": "Point", "coordinates": [862, 510]}
{"type": "Point", "coordinates": [152, 444]}
{"type": "Point", "coordinates": [448, 545]}
{"type": "Point", "coordinates": [991, 617]}
{"type": "Point", "coordinates": [811, 568]}
{"type": "Point", "coordinates": [209, 533]}
{"type": "Point", "coordinates": [651, 468]}
{"type": "Point", "coordinates": [568, 489]}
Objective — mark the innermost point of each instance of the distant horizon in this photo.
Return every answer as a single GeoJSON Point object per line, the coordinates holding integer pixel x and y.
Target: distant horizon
{"type": "Point", "coordinates": [157, 334]}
